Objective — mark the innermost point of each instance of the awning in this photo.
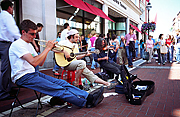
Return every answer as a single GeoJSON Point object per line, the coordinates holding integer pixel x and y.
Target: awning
{"type": "Point", "coordinates": [88, 8]}
{"type": "Point", "coordinates": [136, 28]}
{"type": "Point", "coordinates": [98, 12]}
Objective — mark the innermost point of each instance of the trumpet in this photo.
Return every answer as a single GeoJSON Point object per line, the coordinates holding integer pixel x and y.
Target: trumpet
{"type": "Point", "coordinates": [57, 48]}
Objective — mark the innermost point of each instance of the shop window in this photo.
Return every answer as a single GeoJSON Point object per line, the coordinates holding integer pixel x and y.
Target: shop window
{"type": "Point", "coordinates": [120, 26]}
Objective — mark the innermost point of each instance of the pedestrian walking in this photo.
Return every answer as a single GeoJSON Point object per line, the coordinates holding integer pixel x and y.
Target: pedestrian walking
{"type": "Point", "coordinates": [163, 48]}
{"type": "Point", "coordinates": [149, 47]}
{"type": "Point", "coordinates": [130, 37]}
{"type": "Point", "coordinates": [122, 52]}
{"type": "Point", "coordinates": [141, 48]}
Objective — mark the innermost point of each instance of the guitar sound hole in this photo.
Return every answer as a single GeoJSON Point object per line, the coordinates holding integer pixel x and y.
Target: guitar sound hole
{"type": "Point", "coordinates": [72, 54]}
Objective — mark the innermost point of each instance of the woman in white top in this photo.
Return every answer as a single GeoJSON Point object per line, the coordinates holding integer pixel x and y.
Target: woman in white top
{"type": "Point", "coordinates": [149, 47]}
{"type": "Point", "coordinates": [162, 43]}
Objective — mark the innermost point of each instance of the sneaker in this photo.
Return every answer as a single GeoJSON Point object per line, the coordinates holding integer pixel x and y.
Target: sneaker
{"type": "Point", "coordinates": [55, 72]}
{"type": "Point", "coordinates": [163, 63]}
{"type": "Point", "coordinates": [159, 63]}
{"type": "Point", "coordinates": [170, 61]}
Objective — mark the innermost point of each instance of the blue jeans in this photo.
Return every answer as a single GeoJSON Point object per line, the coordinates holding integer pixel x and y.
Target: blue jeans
{"type": "Point", "coordinates": [141, 52]}
{"type": "Point", "coordinates": [129, 56]}
{"type": "Point", "coordinates": [93, 62]}
{"type": "Point", "coordinates": [170, 54]}
{"type": "Point", "coordinates": [54, 87]}
{"type": "Point", "coordinates": [136, 49]}
{"type": "Point", "coordinates": [56, 67]}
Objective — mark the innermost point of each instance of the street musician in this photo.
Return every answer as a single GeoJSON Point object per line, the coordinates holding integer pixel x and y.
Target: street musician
{"type": "Point", "coordinates": [77, 64]}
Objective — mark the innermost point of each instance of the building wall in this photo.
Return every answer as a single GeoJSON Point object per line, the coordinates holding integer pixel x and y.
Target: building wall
{"type": "Point", "coordinates": [42, 11]}
{"type": "Point", "coordinates": [128, 9]}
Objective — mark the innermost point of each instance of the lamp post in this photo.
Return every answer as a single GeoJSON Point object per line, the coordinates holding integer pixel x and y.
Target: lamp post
{"type": "Point", "coordinates": [148, 7]}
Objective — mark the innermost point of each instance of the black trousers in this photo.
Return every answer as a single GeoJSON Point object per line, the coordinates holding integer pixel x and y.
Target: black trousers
{"type": "Point", "coordinates": [159, 55]}
{"type": "Point", "coordinates": [5, 78]}
{"type": "Point", "coordinates": [112, 67]}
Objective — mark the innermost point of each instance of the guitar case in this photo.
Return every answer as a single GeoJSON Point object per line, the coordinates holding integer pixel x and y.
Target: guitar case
{"type": "Point", "coordinates": [135, 91]}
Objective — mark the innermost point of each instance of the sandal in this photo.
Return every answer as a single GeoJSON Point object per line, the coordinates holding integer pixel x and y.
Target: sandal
{"type": "Point", "coordinates": [111, 86]}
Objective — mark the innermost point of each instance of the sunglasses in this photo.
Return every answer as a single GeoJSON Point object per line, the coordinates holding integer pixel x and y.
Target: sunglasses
{"type": "Point", "coordinates": [32, 34]}
{"type": "Point", "coordinates": [76, 36]}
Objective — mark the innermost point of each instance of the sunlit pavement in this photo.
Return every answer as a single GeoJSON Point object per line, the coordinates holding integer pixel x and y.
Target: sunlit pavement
{"type": "Point", "coordinates": [163, 102]}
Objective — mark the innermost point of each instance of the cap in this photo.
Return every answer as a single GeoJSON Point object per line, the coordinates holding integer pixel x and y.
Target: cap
{"type": "Point", "coordinates": [72, 32]}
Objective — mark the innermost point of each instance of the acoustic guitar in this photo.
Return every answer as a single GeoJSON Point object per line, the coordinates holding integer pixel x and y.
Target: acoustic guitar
{"type": "Point", "coordinates": [62, 61]}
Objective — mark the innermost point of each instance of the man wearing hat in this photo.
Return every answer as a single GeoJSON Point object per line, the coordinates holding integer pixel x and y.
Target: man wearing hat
{"type": "Point", "coordinates": [80, 65]}
{"type": "Point", "coordinates": [130, 38]}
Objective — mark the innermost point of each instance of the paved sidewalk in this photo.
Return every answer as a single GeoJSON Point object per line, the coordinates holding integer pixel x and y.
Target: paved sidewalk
{"type": "Point", "coordinates": [164, 102]}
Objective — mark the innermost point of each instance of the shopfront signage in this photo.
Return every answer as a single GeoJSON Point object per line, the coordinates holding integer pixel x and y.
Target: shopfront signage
{"type": "Point", "coordinates": [119, 3]}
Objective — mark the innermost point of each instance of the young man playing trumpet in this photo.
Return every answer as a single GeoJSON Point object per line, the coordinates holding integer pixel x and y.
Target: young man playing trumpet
{"type": "Point", "coordinates": [23, 59]}
{"type": "Point", "coordinates": [79, 65]}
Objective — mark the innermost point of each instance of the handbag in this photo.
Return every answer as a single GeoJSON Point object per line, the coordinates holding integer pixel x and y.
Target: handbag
{"type": "Point", "coordinates": [146, 56]}
{"type": "Point", "coordinates": [163, 49]}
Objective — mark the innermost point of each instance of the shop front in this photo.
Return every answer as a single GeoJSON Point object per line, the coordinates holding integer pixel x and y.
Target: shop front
{"type": "Point", "coordinates": [82, 20]}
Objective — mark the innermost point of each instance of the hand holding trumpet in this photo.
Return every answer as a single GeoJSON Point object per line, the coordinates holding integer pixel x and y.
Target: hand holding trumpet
{"type": "Point", "coordinates": [50, 44]}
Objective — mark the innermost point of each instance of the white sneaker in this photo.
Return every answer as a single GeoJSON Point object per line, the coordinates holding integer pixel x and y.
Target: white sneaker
{"type": "Point", "coordinates": [159, 63]}
{"type": "Point", "coordinates": [170, 61]}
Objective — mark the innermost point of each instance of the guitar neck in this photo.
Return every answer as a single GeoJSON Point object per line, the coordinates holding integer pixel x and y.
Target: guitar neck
{"type": "Point", "coordinates": [80, 53]}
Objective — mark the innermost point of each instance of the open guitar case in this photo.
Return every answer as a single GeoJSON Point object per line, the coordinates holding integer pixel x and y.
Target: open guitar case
{"type": "Point", "coordinates": [135, 91]}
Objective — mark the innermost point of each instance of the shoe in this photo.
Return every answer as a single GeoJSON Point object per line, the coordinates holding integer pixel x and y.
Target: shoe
{"type": "Point", "coordinates": [56, 101]}
{"type": "Point", "coordinates": [55, 72]}
{"type": "Point", "coordinates": [95, 98]}
{"type": "Point", "coordinates": [170, 61]}
{"type": "Point", "coordinates": [163, 63]}
{"type": "Point", "coordinates": [159, 63]}
{"type": "Point", "coordinates": [130, 66]}
{"type": "Point", "coordinates": [111, 86]}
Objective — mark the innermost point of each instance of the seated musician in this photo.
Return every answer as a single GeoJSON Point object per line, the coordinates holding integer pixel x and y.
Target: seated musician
{"type": "Point", "coordinates": [79, 65]}
{"type": "Point", "coordinates": [23, 59]}
{"type": "Point", "coordinates": [104, 58]}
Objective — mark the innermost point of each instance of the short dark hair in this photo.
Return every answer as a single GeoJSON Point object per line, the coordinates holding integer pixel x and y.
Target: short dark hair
{"type": "Point", "coordinates": [66, 25]}
{"type": "Point", "coordinates": [160, 36]}
{"type": "Point", "coordinates": [39, 25]}
{"type": "Point", "coordinates": [5, 4]}
{"type": "Point", "coordinates": [69, 37]}
{"type": "Point", "coordinates": [26, 25]}
{"type": "Point", "coordinates": [114, 36]}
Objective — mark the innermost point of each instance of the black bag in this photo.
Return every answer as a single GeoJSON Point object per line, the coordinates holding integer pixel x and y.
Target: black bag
{"type": "Point", "coordinates": [146, 56]}
{"type": "Point", "coordinates": [119, 89]}
{"type": "Point", "coordinates": [136, 91]}
{"type": "Point", "coordinates": [102, 75]}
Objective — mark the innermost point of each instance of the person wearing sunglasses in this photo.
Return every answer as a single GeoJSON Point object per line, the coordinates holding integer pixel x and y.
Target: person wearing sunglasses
{"type": "Point", "coordinates": [9, 32]}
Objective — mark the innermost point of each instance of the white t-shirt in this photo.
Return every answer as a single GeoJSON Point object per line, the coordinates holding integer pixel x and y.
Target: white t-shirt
{"type": "Point", "coordinates": [68, 44]}
{"type": "Point", "coordinates": [64, 34]}
{"type": "Point", "coordinates": [19, 66]}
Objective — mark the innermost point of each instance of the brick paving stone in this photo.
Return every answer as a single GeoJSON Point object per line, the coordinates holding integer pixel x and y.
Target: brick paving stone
{"type": "Point", "coordinates": [126, 112]}
{"type": "Point", "coordinates": [159, 115]}
{"type": "Point", "coordinates": [151, 111]}
{"type": "Point", "coordinates": [102, 111]}
{"type": "Point", "coordinates": [144, 108]}
{"type": "Point", "coordinates": [107, 114]}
